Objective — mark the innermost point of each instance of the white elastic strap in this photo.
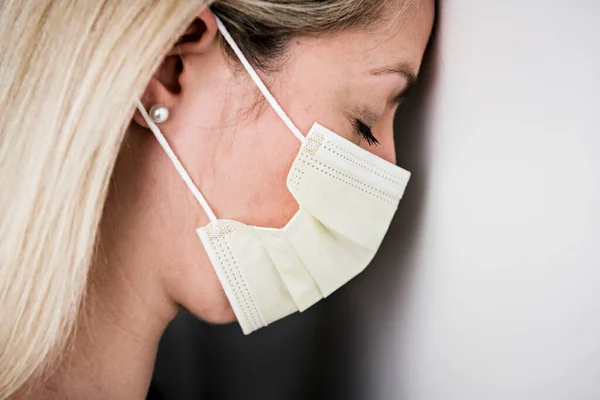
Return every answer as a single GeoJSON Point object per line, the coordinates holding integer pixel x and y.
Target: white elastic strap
{"type": "Point", "coordinates": [276, 107]}
{"type": "Point", "coordinates": [180, 169]}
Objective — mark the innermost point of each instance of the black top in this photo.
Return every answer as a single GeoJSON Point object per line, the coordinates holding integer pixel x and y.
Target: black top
{"type": "Point", "coordinates": [154, 393]}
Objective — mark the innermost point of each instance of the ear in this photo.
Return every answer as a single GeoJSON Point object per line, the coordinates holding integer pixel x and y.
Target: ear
{"type": "Point", "coordinates": [164, 87]}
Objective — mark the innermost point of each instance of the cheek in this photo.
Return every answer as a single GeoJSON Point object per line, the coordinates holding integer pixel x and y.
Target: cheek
{"type": "Point", "coordinates": [265, 198]}
{"type": "Point", "coordinates": [250, 181]}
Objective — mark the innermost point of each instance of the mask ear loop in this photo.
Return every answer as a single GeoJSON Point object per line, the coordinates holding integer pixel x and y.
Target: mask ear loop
{"type": "Point", "coordinates": [178, 166]}
{"type": "Point", "coordinates": [263, 88]}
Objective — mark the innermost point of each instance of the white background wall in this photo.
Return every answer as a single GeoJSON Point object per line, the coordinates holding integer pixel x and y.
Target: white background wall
{"type": "Point", "coordinates": [489, 284]}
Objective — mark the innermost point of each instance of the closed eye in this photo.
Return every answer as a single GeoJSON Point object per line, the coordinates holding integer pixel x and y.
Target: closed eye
{"type": "Point", "coordinates": [365, 131]}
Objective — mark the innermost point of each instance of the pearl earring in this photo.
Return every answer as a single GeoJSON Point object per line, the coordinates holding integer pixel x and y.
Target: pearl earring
{"type": "Point", "coordinates": [158, 113]}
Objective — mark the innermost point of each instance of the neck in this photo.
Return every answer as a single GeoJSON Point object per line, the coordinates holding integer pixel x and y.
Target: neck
{"type": "Point", "coordinates": [114, 348]}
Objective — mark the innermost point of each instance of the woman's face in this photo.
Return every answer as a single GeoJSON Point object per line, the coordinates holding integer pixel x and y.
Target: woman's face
{"type": "Point", "coordinates": [236, 148]}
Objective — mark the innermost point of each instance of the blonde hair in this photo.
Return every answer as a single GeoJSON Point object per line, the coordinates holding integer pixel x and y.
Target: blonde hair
{"type": "Point", "coordinates": [69, 74]}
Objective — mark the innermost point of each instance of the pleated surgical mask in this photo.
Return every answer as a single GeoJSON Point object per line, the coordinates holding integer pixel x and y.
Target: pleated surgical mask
{"type": "Point", "coordinates": [347, 198]}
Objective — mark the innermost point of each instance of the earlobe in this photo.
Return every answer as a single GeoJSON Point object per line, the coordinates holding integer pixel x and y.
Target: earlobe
{"type": "Point", "coordinates": [156, 93]}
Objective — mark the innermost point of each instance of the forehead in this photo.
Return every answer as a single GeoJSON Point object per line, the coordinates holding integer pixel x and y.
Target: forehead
{"type": "Point", "coordinates": [401, 35]}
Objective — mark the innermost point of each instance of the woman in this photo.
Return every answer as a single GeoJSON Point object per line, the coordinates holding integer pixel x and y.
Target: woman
{"type": "Point", "coordinates": [98, 247]}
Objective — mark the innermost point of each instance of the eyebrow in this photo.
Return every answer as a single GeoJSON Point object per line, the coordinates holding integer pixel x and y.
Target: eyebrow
{"type": "Point", "coordinates": [404, 69]}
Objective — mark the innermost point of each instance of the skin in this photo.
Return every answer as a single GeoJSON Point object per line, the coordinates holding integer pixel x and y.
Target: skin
{"type": "Point", "coordinates": [238, 152]}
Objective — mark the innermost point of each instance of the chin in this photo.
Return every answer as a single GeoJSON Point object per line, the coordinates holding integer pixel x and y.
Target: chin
{"type": "Point", "coordinates": [204, 297]}
{"type": "Point", "coordinates": [217, 311]}
{"type": "Point", "coordinates": [220, 318]}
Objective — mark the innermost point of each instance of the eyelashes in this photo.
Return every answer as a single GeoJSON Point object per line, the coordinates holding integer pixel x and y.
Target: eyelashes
{"type": "Point", "coordinates": [364, 130]}
{"type": "Point", "coordinates": [362, 119]}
